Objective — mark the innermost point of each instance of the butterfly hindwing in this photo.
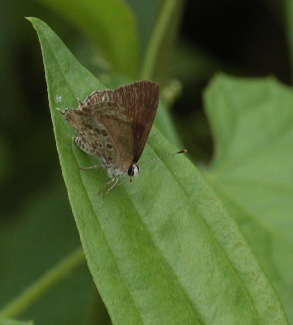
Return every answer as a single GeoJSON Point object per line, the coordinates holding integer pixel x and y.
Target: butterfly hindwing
{"type": "Point", "coordinates": [105, 131]}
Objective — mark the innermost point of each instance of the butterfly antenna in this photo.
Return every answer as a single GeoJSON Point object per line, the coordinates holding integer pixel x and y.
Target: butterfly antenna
{"type": "Point", "coordinates": [164, 156]}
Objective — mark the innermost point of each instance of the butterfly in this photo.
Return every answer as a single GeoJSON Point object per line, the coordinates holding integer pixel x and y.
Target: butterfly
{"type": "Point", "coordinates": [114, 125]}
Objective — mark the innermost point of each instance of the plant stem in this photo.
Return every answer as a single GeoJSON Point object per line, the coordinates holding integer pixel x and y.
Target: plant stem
{"type": "Point", "coordinates": [157, 37]}
{"type": "Point", "coordinates": [42, 285]}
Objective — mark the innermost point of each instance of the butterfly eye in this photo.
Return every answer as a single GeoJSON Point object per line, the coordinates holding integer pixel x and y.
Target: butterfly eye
{"type": "Point", "coordinates": [133, 170]}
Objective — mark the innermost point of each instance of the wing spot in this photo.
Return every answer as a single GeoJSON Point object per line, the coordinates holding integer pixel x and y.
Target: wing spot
{"type": "Point", "coordinates": [88, 126]}
{"type": "Point", "coordinates": [104, 132]}
{"type": "Point", "coordinates": [109, 146]}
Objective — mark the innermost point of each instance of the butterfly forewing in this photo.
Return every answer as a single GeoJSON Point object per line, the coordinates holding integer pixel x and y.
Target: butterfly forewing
{"type": "Point", "coordinates": [141, 99]}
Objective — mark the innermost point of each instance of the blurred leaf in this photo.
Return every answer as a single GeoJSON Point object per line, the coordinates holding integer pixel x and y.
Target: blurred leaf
{"type": "Point", "coordinates": [110, 24]}
{"type": "Point", "coordinates": [32, 242]}
{"type": "Point", "coordinates": [5, 321]}
{"type": "Point", "coordinates": [161, 251]}
{"type": "Point", "coordinates": [157, 58]}
{"type": "Point", "coordinates": [146, 13]}
{"type": "Point", "coordinates": [252, 123]}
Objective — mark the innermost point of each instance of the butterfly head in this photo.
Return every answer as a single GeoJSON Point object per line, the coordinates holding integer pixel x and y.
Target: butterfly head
{"type": "Point", "coordinates": [133, 170]}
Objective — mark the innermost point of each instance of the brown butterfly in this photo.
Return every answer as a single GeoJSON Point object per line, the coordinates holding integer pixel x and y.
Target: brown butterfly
{"type": "Point", "coordinates": [114, 125]}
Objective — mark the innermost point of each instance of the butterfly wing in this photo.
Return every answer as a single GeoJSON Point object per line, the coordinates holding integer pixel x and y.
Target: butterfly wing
{"type": "Point", "coordinates": [105, 131]}
{"type": "Point", "coordinates": [141, 100]}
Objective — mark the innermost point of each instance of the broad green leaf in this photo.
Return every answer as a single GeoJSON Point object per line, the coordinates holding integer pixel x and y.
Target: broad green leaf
{"type": "Point", "coordinates": [163, 250]}
{"type": "Point", "coordinates": [110, 24]}
{"type": "Point", "coordinates": [252, 122]}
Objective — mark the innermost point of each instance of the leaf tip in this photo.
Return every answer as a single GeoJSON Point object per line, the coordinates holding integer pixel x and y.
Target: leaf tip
{"type": "Point", "coordinates": [30, 18]}
{"type": "Point", "coordinates": [33, 20]}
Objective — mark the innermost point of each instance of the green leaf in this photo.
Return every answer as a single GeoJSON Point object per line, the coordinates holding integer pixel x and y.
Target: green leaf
{"type": "Point", "coordinates": [110, 24]}
{"type": "Point", "coordinates": [252, 122]}
{"type": "Point", "coordinates": [163, 250]}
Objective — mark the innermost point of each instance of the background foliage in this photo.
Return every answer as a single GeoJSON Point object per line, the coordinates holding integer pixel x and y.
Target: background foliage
{"type": "Point", "coordinates": [37, 226]}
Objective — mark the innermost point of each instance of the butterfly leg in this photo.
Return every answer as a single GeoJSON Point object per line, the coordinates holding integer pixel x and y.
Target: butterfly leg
{"type": "Point", "coordinates": [106, 184]}
{"type": "Point", "coordinates": [115, 183]}
{"type": "Point", "coordinates": [121, 183]}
